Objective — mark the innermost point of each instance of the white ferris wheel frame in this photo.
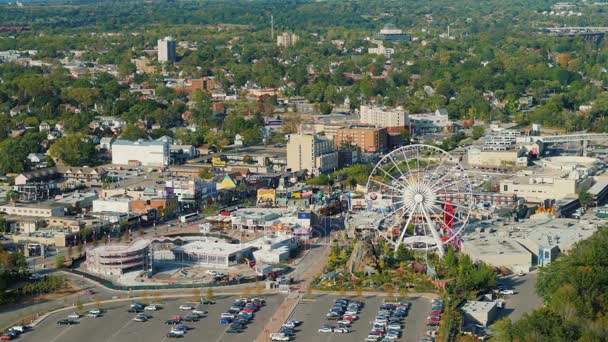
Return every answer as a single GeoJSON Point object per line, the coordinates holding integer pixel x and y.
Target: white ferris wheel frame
{"type": "Point", "coordinates": [416, 192]}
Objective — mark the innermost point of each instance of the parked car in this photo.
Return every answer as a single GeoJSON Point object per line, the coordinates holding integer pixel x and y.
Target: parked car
{"type": "Point", "coordinates": [171, 334]}
{"type": "Point", "coordinates": [152, 307]}
{"type": "Point", "coordinates": [279, 337]}
{"type": "Point", "coordinates": [342, 330]}
{"type": "Point", "coordinates": [186, 307]}
{"type": "Point", "coordinates": [326, 329]}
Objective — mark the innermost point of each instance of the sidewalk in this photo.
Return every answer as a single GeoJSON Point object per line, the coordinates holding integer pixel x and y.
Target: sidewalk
{"type": "Point", "coordinates": [279, 317]}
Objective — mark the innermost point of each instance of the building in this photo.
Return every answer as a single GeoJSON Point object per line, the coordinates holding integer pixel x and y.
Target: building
{"type": "Point", "coordinates": [84, 175]}
{"type": "Point", "coordinates": [140, 152]}
{"type": "Point", "coordinates": [504, 158]}
{"type": "Point", "coordinates": [499, 252]}
{"type": "Point", "coordinates": [287, 39]}
{"type": "Point", "coordinates": [482, 313]}
{"type": "Point", "coordinates": [391, 33]}
{"type": "Point", "coordinates": [518, 246]}
{"type": "Point", "coordinates": [598, 193]}
{"type": "Point", "coordinates": [166, 50]}
{"type": "Point", "coordinates": [36, 210]}
{"type": "Point", "coordinates": [116, 259]}
{"type": "Point", "coordinates": [552, 178]}
{"type": "Point", "coordinates": [381, 50]}
{"type": "Point", "coordinates": [383, 117]}
{"type": "Point", "coordinates": [369, 139]}
{"type": "Point", "coordinates": [432, 122]}
{"type": "Point", "coordinates": [312, 153]}
{"type": "Point", "coordinates": [114, 204]}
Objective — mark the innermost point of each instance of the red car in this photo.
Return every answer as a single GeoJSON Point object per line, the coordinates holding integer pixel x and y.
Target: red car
{"type": "Point", "coordinates": [433, 319]}
{"type": "Point", "coordinates": [90, 292]}
{"type": "Point", "coordinates": [176, 318]}
{"type": "Point", "coordinates": [349, 318]}
{"type": "Point", "coordinates": [436, 312]}
{"type": "Point", "coordinates": [5, 338]}
{"type": "Point", "coordinates": [377, 332]}
{"type": "Point", "coordinates": [248, 310]}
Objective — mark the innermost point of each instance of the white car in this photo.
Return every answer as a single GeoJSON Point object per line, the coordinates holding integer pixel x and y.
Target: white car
{"type": "Point", "coordinates": [350, 313]}
{"type": "Point", "coordinates": [140, 319]}
{"type": "Point", "coordinates": [95, 312]}
{"type": "Point", "coordinates": [279, 337]}
{"type": "Point", "coordinates": [73, 316]}
{"type": "Point", "coordinates": [345, 323]}
{"type": "Point", "coordinates": [151, 308]}
{"type": "Point", "coordinates": [227, 315]}
{"type": "Point", "coordinates": [177, 332]}
{"type": "Point", "coordinates": [342, 330]}
{"type": "Point", "coordinates": [289, 324]}
{"type": "Point", "coordinates": [199, 312]}
{"type": "Point", "coordinates": [394, 326]}
{"type": "Point", "coordinates": [211, 273]}
{"type": "Point", "coordinates": [186, 307]}
{"type": "Point", "coordinates": [94, 315]}
{"type": "Point", "coordinates": [326, 329]}
{"type": "Point", "coordinates": [507, 292]}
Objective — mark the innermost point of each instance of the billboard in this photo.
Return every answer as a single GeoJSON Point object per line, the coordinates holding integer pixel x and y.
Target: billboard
{"type": "Point", "coordinates": [266, 197]}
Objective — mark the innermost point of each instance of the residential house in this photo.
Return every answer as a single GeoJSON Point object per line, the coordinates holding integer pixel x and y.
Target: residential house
{"type": "Point", "coordinates": [84, 175]}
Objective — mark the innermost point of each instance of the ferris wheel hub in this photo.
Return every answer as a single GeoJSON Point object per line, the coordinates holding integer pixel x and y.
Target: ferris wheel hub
{"type": "Point", "coordinates": [418, 198]}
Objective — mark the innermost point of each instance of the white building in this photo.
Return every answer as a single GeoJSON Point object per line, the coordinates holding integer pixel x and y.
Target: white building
{"type": "Point", "coordinates": [312, 153]}
{"type": "Point", "coordinates": [166, 50]}
{"type": "Point", "coordinates": [436, 121]}
{"type": "Point", "coordinates": [145, 153]}
{"type": "Point", "coordinates": [287, 39]}
{"type": "Point", "coordinates": [383, 117]}
{"type": "Point", "coordinates": [114, 204]}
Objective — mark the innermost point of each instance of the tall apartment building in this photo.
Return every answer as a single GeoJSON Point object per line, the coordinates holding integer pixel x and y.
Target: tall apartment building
{"type": "Point", "coordinates": [166, 50]}
{"type": "Point", "coordinates": [312, 153]}
{"type": "Point", "coordinates": [383, 117]}
{"type": "Point", "coordinates": [144, 153]}
{"type": "Point", "coordinates": [287, 39]}
{"type": "Point", "coordinates": [368, 138]}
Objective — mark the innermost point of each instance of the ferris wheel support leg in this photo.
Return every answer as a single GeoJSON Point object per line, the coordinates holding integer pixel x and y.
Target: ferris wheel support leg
{"type": "Point", "coordinates": [407, 223]}
{"type": "Point", "coordinates": [434, 232]}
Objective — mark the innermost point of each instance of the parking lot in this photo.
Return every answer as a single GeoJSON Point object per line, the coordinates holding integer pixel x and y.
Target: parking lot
{"type": "Point", "coordinates": [116, 325]}
{"type": "Point", "coordinates": [312, 312]}
{"type": "Point", "coordinates": [525, 298]}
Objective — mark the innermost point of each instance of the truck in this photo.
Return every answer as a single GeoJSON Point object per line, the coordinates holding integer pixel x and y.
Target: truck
{"type": "Point", "coordinates": [263, 270]}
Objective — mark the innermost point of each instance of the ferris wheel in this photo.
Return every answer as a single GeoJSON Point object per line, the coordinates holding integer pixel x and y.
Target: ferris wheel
{"type": "Point", "coordinates": [424, 196]}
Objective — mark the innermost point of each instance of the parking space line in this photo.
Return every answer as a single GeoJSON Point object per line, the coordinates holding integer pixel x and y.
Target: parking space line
{"type": "Point", "coordinates": [62, 333]}
{"type": "Point", "coordinates": [111, 338]}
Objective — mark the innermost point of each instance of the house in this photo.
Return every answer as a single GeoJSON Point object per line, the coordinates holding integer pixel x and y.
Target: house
{"type": "Point", "coordinates": [106, 143]}
{"type": "Point", "coordinates": [20, 109]}
{"type": "Point", "coordinates": [84, 175]}
{"type": "Point", "coordinates": [44, 127]}
{"type": "Point", "coordinates": [36, 158]}
{"type": "Point", "coordinates": [37, 176]}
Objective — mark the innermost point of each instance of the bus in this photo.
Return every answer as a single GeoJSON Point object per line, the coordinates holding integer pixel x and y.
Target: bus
{"type": "Point", "coordinates": [188, 217]}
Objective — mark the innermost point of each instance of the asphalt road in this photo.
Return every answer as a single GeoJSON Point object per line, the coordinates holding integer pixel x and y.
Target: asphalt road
{"type": "Point", "coordinates": [117, 325]}
{"type": "Point", "coordinates": [525, 298]}
{"type": "Point", "coordinates": [312, 313]}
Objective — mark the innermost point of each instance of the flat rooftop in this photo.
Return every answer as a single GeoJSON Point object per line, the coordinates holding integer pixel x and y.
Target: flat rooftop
{"type": "Point", "coordinates": [473, 306]}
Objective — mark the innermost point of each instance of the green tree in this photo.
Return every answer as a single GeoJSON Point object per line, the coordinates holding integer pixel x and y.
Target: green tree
{"type": "Point", "coordinates": [59, 261]}
{"type": "Point", "coordinates": [325, 108]}
{"type": "Point", "coordinates": [504, 330]}
{"type": "Point", "coordinates": [209, 293]}
{"type": "Point", "coordinates": [133, 132]}
{"type": "Point", "coordinates": [12, 196]}
{"type": "Point", "coordinates": [585, 198]}
{"type": "Point", "coordinates": [478, 132]}
{"type": "Point", "coordinates": [74, 150]}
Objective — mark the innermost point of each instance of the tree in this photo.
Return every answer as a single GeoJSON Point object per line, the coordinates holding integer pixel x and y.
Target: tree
{"type": "Point", "coordinates": [196, 294]}
{"type": "Point", "coordinates": [209, 293]}
{"type": "Point", "coordinates": [205, 173]}
{"type": "Point", "coordinates": [325, 108]}
{"type": "Point", "coordinates": [12, 196]}
{"type": "Point", "coordinates": [133, 132]}
{"type": "Point", "coordinates": [218, 139]}
{"type": "Point", "coordinates": [478, 132]}
{"type": "Point", "coordinates": [503, 329]}
{"type": "Point", "coordinates": [60, 261]}
{"type": "Point", "coordinates": [585, 198]}
{"type": "Point", "coordinates": [79, 306]}
{"type": "Point", "coordinates": [98, 303]}
{"type": "Point", "coordinates": [74, 150]}
{"type": "Point", "coordinates": [70, 252]}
